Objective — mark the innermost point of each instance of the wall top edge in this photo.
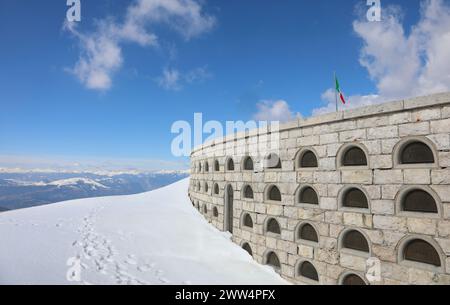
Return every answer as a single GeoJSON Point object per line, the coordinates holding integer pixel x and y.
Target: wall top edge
{"type": "Point", "coordinates": [374, 110]}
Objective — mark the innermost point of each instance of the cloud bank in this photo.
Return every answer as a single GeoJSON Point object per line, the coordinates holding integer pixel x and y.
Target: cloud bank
{"type": "Point", "coordinates": [101, 50]}
{"type": "Point", "coordinates": [173, 80]}
{"type": "Point", "coordinates": [401, 64]}
{"type": "Point", "coordinates": [16, 163]}
{"type": "Point", "coordinates": [274, 111]}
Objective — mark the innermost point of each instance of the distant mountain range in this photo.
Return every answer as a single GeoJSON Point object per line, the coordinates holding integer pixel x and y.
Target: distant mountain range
{"type": "Point", "coordinates": [25, 189]}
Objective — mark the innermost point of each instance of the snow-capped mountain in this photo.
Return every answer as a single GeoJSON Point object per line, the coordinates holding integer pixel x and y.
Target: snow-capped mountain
{"type": "Point", "coordinates": [21, 189]}
{"type": "Point", "coordinates": [77, 181]}
{"type": "Point", "coordinates": [150, 238]}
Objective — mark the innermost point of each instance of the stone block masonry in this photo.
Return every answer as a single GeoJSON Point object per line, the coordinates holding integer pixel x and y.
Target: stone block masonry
{"type": "Point", "coordinates": [359, 197]}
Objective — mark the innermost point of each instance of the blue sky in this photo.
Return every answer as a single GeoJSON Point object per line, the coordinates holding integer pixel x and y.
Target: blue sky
{"type": "Point", "coordinates": [221, 58]}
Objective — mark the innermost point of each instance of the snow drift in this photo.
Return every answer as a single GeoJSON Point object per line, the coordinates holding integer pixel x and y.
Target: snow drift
{"type": "Point", "coordinates": [150, 238]}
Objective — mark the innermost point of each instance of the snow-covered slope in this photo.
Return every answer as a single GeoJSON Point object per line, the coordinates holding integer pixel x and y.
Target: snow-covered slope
{"type": "Point", "coordinates": [151, 238]}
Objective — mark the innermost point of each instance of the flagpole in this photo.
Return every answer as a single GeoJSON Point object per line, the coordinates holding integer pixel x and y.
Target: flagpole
{"type": "Point", "coordinates": [335, 92]}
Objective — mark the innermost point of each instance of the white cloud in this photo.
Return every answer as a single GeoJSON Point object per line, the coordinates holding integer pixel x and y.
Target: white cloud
{"type": "Point", "coordinates": [184, 16]}
{"type": "Point", "coordinates": [354, 101]}
{"type": "Point", "coordinates": [198, 75]}
{"type": "Point", "coordinates": [170, 80]}
{"type": "Point", "coordinates": [174, 80]}
{"type": "Point", "coordinates": [274, 111]}
{"type": "Point", "coordinates": [101, 51]}
{"type": "Point", "coordinates": [100, 56]}
{"type": "Point", "coordinates": [401, 64]}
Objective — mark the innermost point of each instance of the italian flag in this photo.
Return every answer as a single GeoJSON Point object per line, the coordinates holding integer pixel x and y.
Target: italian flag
{"type": "Point", "coordinates": [338, 89]}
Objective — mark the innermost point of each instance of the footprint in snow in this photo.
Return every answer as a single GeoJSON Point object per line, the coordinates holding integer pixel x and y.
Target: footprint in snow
{"type": "Point", "coordinates": [145, 268]}
{"type": "Point", "coordinates": [164, 280]}
{"type": "Point", "coordinates": [150, 265]}
{"type": "Point", "coordinates": [120, 267]}
{"type": "Point", "coordinates": [130, 261]}
{"type": "Point", "coordinates": [133, 282]}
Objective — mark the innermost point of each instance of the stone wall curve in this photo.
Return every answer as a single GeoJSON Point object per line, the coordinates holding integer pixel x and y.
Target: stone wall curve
{"type": "Point", "coordinates": [384, 181]}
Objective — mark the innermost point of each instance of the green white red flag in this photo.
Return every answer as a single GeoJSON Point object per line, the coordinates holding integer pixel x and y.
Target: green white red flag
{"type": "Point", "coordinates": [338, 90]}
